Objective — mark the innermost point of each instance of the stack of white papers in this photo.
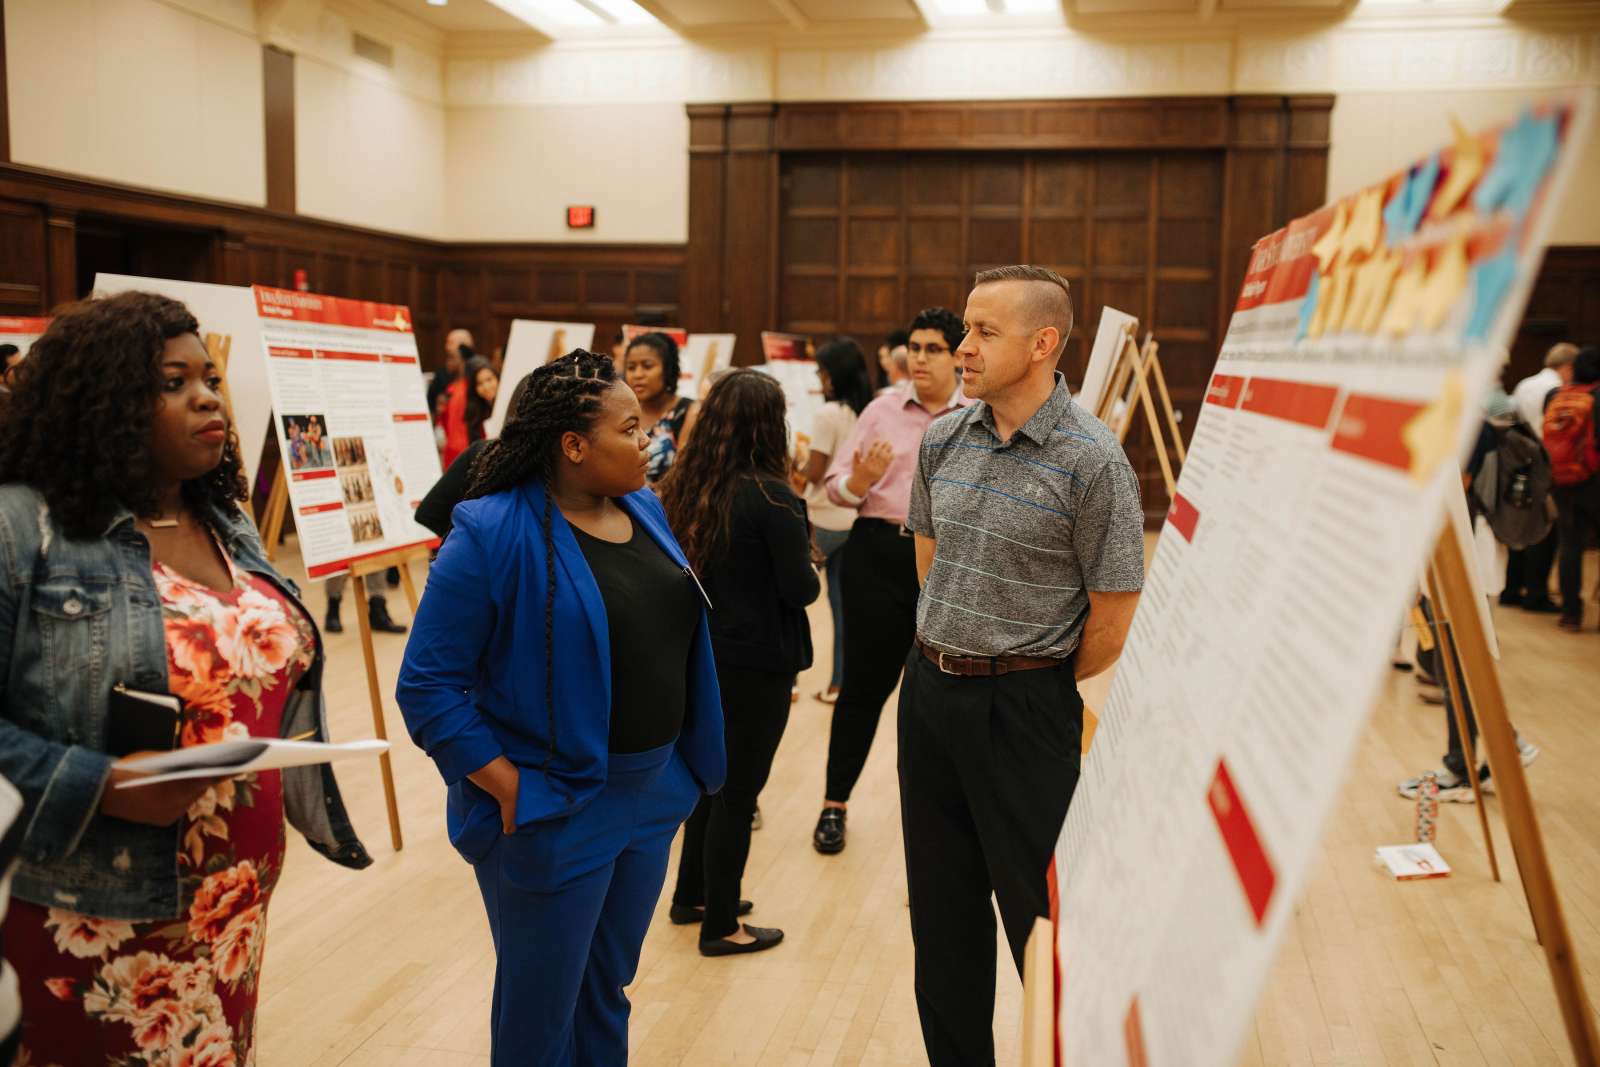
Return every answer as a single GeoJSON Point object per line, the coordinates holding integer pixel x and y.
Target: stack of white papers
{"type": "Point", "coordinates": [1407, 862]}
{"type": "Point", "coordinates": [228, 758]}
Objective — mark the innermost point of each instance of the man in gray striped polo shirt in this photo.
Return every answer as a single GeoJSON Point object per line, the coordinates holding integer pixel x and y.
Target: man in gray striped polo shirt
{"type": "Point", "coordinates": [1030, 550]}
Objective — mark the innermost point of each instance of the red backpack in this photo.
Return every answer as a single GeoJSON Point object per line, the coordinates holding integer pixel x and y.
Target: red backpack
{"type": "Point", "coordinates": [1569, 434]}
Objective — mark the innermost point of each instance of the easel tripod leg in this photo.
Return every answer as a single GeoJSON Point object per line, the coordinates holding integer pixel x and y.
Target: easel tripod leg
{"type": "Point", "coordinates": [369, 654]}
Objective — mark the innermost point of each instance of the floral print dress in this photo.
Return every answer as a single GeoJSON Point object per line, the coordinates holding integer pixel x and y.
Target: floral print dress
{"type": "Point", "coordinates": [181, 992]}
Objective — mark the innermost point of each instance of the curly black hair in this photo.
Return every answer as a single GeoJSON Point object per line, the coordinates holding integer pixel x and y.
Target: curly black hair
{"type": "Point", "coordinates": [561, 397]}
{"type": "Point", "coordinates": [664, 346]}
{"type": "Point", "coordinates": [77, 424]}
{"type": "Point", "coordinates": [945, 321]}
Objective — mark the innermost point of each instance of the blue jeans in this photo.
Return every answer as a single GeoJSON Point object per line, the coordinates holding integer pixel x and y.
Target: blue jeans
{"type": "Point", "coordinates": [832, 544]}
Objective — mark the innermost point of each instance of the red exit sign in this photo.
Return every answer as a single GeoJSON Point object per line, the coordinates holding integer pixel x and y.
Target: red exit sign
{"type": "Point", "coordinates": [580, 218]}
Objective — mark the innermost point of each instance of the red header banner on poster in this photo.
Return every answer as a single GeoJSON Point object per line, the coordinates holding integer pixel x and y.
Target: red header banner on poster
{"type": "Point", "coordinates": [352, 422]}
{"type": "Point", "coordinates": [1351, 381]}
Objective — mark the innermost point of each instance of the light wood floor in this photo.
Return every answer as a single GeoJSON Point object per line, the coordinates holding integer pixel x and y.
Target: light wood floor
{"type": "Point", "coordinates": [392, 966]}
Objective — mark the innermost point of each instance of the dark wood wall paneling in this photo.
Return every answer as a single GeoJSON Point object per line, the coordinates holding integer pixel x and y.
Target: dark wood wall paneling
{"type": "Point", "coordinates": [57, 230]}
{"type": "Point", "coordinates": [277, 98]}
{"type": "Point", "coordinates": [849, 217]}
{"type": "Point", "coordinates": [1564, 306]}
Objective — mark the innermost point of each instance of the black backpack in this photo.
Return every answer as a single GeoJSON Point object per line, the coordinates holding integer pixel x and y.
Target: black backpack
{"type": "Point", "coordinates": [1512, 488]}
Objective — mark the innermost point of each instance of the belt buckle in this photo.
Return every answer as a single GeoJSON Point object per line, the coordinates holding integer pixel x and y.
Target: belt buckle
{"type": "Point", "coordinates": [942, 668]}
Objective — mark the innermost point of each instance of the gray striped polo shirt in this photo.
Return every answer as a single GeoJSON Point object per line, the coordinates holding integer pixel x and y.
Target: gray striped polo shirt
{"type": "Point", "coordinates": [1024, 528]}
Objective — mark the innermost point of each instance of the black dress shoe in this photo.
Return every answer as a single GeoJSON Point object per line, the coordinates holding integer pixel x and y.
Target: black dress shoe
{"type": "Point", "coordinates": [378, 616]}
{"type": "Point", "coordinates": [828, 838]}
{"type": "Point", "coordinates": [689, 914]}
{"type": "Point", "coordinates": [392, 577]}
{"type": "Point", "coordinates": [765, 938]}
{"type": "Point", "coordinates": [330, 622]}
{"type": "Point", "coordinates": [1542, 607]}
{"type": "Point", "coordinates": [1508, 599]}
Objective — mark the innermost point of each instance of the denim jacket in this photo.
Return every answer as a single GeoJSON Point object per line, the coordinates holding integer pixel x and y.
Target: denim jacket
{"type": "Point", "coordinates": [76, 618]}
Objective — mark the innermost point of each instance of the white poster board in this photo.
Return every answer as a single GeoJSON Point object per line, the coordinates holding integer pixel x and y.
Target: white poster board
{"type": "Point", "coordinates": [531, 345]}
{"type": "Point", "coordinates": [703, 355]}
{"type": "Point", "coordinates": [21, 331]}
{"type": "Point", "coordinates": [1107, 344]}
{"type": "Point", "coordinates": [352, 423]}
{"type": "Point", "coordinates": [231, 331]}
{"type": "Point", "coordinates": [802, 392]}
{"type": "Point", "coordinates": [1349, 386]}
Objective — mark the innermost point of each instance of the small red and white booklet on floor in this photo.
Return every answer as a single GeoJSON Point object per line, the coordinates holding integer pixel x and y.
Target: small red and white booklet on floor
{"type": "Point", "coordinates": [1409, 862]}
{"type": "Point", "coordinates": [244, 756]}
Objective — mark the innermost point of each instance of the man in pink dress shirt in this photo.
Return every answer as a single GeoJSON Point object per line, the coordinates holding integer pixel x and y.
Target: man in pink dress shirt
{"type": "Point", "coordinates": [872, 473]}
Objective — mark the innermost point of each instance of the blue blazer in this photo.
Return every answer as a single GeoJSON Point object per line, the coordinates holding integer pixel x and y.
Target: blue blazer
{"type": "Point", "coordinates": [472, 684]}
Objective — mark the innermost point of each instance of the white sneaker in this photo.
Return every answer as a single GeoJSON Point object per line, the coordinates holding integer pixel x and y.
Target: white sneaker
{"type": "Point", "coordinates": [1451, 789]}
{"type": "Point", "coordinates": [1527, 750]}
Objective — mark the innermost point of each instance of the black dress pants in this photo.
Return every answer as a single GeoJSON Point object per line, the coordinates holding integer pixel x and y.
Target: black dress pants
{"type": "Point", "coordinates": [1528, 569]}
{"type": "Point", "coordinates": [1578, 519]}
{"type": "Point", "coordinates": [716, 838]}
{"type": "Point", "coordinates": [880, 611]}
{"type": "Point", "coordinates": [987, 768]}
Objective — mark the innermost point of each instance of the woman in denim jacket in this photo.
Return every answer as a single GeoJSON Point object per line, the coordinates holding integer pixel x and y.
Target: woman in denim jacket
{"type": "Point", "coordinates": [139, 917]}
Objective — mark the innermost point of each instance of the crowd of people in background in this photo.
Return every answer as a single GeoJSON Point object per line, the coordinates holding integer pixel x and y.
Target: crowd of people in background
{"type": "Point", "coordinates": [607, 650]}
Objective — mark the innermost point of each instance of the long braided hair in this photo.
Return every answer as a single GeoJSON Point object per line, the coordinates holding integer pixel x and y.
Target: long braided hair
{"type": "Point", "coordinates": [741, 434]}
{"type": "Point", "coordinates": [561, 397]}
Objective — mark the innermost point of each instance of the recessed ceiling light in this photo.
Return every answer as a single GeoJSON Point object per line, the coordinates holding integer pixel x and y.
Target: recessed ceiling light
{"type": "Point", "coordinates": [438, 3]}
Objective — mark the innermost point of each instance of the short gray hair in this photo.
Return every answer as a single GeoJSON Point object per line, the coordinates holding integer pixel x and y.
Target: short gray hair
{"type": "Point", "coordinates": [1561, 354]}
{"type": "Point", "coordinates": [1052, 307]}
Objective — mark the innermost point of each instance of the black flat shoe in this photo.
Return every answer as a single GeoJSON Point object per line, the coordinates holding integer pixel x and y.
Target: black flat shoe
{"type": "Point", "coordinates": [1542, 607]}
{"type": "Point", "coordinates": [330, 622]}
{"type": "Point", "coordinates": [688, 915]}
{"type": "Point", "coordinates": [828, 838]}
{"type": "Point", "coordinates": [765, 938]}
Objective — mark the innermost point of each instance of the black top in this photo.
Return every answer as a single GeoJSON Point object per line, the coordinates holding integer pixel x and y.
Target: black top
{"type": "Point", "coordinates": [435, 510]}
{"type": "Point", "coordinates": [762, 580]}
{"type": "Point", "coordinates": [652, 610]}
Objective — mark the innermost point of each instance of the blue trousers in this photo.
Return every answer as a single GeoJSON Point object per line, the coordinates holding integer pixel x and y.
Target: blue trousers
{"type": "Point", "coordinates": [569, 901]}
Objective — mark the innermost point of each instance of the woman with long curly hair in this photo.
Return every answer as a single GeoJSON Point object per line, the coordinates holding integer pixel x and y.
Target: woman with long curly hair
{"type": "Point", "coordinates": [570, 766]}
{"type": "Point", "coordinates": [127, 570]}
{"type": "Point", "coordinates": [728, 498]}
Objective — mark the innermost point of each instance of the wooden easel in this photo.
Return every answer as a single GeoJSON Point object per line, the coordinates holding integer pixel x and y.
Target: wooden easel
{"type": "Point", "coordinates": [1131, 376]}
{"type": "Point", "coordinates": [401, 559]}
{"type": "Point", "coordinates": [1482, 683]}
{"type": "Point", "coordinates": [1451, 591]}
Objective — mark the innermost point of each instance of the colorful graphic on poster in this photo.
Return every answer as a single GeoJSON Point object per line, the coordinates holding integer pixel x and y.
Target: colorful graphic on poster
{"type": "Point", "coordinates": [1349, 385]}
{"type": "Point", "coordinates": [353, 424]}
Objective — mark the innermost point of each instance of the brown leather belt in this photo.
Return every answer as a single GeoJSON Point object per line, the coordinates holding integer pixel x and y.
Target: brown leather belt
{"type": "Point", "coordinates": [986, 666]}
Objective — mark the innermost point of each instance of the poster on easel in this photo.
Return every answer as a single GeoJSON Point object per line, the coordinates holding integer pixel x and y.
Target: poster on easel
{"type": "Point", "coordinates": [22, 331]}
{"type": "Point", "coordinates": [531, 345]}
{"type": "Point", "coordinates": [1115, 326]}
{"type": "Point", "coordinates": [352, 421]}
{"type": "Point", "coordinates": [1350, 383]}
{"type": "Point", "coordinates": [703, 355]}
{"type": "Point", "coordinates": [231, 332]}
{"type": "Point", "coordinates": [678, 334]}
{"type": "Point", "coordinates": [790, 358]}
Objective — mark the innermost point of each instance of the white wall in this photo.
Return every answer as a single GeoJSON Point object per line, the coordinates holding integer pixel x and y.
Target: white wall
{"type": "Point", "coordinates": [139, 92]}
{"type": "Point", "coordinates": [511, 172]}
{"type": "Point", "coordinates": [367, 152]}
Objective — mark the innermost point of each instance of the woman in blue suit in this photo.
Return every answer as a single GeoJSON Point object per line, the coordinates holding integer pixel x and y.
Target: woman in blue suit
{"type": "Point", "coordinates": [571, 760]}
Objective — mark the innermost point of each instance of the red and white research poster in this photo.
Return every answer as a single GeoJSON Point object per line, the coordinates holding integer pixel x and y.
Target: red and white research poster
{"type": "Point", "coordinates": [352, 421]}
{"type": "Point", "coordinates": [1349, 386]}
{"type": "Point", "coordinates": [21, 332]}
